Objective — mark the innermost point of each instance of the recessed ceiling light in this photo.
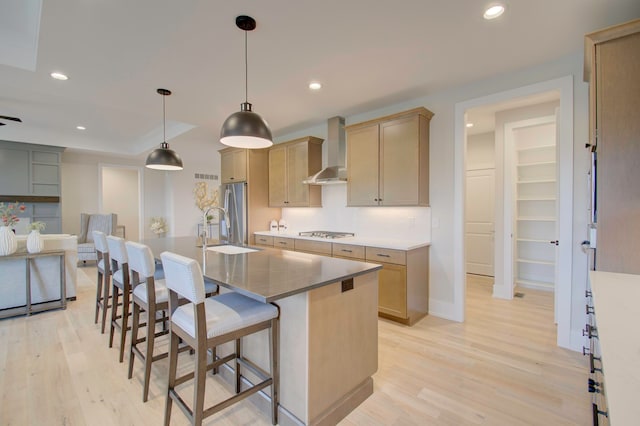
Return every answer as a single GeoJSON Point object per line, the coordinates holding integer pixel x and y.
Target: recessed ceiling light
{"type": "Point", "coordinates": [59, 76]}
{"type": "Point", "coordinates": [469, 124]}
{"type": "Point", "coordinates": [314, 85]}
{"type": "Point", "coordinates": [81, 128]}
{"type": "Point", "coordinates": [493, 11]}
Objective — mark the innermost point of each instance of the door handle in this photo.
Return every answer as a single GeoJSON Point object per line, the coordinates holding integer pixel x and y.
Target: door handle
{"type": "Point", "coordinates": [556, 242]}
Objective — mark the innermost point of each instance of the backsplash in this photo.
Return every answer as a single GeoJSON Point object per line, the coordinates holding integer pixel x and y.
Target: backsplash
{"type": "Point", "coordinates": [406, 223]}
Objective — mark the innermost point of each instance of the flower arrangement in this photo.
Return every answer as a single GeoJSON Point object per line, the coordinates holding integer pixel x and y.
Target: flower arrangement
{"type": "Point", "coordinates": [8, 213]}
{"type": "Point", "coordinates": [37, 226]}
{"type": "Point", "coordinates": [205, 199]}
{"type": "Point", "coordinates": [158, 225]}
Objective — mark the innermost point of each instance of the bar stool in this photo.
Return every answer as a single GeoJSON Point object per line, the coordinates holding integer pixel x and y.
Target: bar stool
{"type": "Point", "coordinates": [121, 286]}
{"type": "Point", "coordinates": [104, 275]}
{"type": "Point", "coordinates": [150, 294]}
{"type": "Point", "coordinates": [205, 323]}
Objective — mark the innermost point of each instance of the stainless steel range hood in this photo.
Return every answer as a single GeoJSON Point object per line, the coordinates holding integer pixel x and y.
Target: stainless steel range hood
{"type": "Point", "coordinates": [336, 171]}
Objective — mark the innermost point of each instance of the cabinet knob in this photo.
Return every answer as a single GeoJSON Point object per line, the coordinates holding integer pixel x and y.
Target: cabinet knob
{"type": "Point", "coordinates": [231, 178]}
{"type": "Point", "coordinates": [375, 199]}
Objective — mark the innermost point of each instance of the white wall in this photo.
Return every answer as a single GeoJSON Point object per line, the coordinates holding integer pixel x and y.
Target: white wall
{"type": "Point", "coordinates": [80, 188]}
{"type": "Point", "coordinates": [120, 196]}
{"type": "Point", "coordinates": [481, 152]}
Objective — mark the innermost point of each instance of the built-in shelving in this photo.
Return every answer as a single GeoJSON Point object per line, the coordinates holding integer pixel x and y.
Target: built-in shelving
{"type": "Point", "coordinates": [536, 204]}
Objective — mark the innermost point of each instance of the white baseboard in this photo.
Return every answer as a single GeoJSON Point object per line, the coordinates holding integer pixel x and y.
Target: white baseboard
{"type": "Point", "coordinates": [445, 310]}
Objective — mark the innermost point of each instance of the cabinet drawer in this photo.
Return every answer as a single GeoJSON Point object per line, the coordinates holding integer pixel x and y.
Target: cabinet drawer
{"type": "Point", "coordinates": [376, 254]}
{"type": "Point", "coordinates": [318, 247]}
{"type": "Point", "coordinates": [283, 243]}
{"type": "Point", "coordinates": [264, 240]}
{"type": "Point", "coordinates": [348, 250]}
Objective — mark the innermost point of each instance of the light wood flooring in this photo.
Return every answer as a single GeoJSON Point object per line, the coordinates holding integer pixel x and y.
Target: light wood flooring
{"type": "Point", "coordinates": [500, 367]}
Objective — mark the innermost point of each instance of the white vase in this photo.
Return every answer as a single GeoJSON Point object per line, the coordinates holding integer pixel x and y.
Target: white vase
{"type": "Point", "coordinates": [8, 241]}
{"type": "Point", "coordinates": [35, 244]}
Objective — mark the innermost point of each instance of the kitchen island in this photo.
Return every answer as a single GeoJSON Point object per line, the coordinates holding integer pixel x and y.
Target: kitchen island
{"type": "Point", "coordinates": [328, 323]}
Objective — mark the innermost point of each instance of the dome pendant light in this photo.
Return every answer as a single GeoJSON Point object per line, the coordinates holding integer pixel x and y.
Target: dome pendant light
{"type": "Point", "coordinates": [164, 158]}
{"type": "Point", "coordinates": [245, 128]}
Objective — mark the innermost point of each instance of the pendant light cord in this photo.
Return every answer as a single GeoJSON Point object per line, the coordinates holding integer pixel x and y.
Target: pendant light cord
{"type": "Point", "coordinates": [246, 70]}
{"type": "Point", "coordinates": [164, 119]}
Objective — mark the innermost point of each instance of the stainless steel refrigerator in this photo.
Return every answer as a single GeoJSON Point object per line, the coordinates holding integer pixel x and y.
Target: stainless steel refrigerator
{"type": "Point", "coordinates": [235, 203]}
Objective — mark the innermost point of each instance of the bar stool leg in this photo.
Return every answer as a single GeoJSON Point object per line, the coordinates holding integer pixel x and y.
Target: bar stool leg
{"type": "Point", "coordinates": [125, 321]}
{"type": "Point", "coordinates": [105, 303]}
{"type": "Point", "coordinates": [174, 340]}
{"type": "Point", "coordinates": [135, 321]}
{"type": "Point", "coordinates": [148, 357]}
{"type": "Point", "coordinates": [99, 301]}
{"type": "Point", "coordinates": [114, 313]}
{"type": "Point", "coordinates": [238, 355]}
{"type": "Point", "coordinates": [199, 383]}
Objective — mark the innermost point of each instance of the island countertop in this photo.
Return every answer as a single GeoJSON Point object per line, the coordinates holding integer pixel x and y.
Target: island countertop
{"type": "Point", "coordinates": [266, 274]}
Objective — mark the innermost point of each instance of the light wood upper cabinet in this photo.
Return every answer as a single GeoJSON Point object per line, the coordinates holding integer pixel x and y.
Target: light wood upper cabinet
{"type": "Point", "coordinates": [233, 165]}
{"type": "Point", "coordinates": [289, 164]}
{"type": "Point", "coordinates": [388, 160]}
{"type": "Point", "coordinates": [612, 66]}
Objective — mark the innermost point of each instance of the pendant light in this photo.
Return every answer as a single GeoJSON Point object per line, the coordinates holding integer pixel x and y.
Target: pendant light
{"type": "Point", "coordinates": [245, 128]}
{"type": "Point", "coordinates": [164, 158]}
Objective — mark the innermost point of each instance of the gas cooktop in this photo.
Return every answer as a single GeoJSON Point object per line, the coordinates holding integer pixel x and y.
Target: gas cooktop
{"type": "Point", "coordinates": [326, 234]}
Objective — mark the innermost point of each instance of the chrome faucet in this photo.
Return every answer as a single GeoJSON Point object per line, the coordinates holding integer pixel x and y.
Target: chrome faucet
{"type": "Point", "coordinates": [204, 228]}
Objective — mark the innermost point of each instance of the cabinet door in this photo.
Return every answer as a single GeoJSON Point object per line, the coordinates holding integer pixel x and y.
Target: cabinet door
{"type": "Point", "coordinates": [277, 176]}
{"type": "Point", "coordinates": [399, 162]}
{"type": "Point", "coordinates": [362, 166]}
{"type": "Point", "coordinates": [14, 165]}
{"type": "Point", "coordinates": [297, 171]}
{"type": "Point", "coordinates": [233, 166]}
{"type": "Point", "coordinates": [392, 290]}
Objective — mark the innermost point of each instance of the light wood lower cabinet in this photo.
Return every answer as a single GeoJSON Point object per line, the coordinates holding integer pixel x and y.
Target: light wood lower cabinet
{"type": "Point", "coordinates": [392, 290]}
{"type": "Point", "coordinates": [403, 287]}
{"type": "Point", "coordinates": [403, 281]}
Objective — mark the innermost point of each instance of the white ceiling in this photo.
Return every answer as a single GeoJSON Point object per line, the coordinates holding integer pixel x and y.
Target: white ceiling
{"type": "Point", "coordinates": [367, 55]}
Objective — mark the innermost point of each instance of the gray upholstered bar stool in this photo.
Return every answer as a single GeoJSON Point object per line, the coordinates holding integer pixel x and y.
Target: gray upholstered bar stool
{"type": "Point", "coordinates": [205, 323]}
{"type": "Point", "coordinates": [150, 295]}
{"type": "Point", "coordinates": [104, 277]}
{"type": "Point", "coordinates": [121, 286]}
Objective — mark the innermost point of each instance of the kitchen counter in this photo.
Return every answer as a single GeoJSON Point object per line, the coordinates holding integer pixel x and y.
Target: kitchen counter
{"type": "Point", "coordinates": [358, 241]}
{"type": "Point", "coordinates": [266, 275]}
{"type": "Point", "coordinates": [328, 324]}
{"type": "Point", "coordinates": [615, 299]}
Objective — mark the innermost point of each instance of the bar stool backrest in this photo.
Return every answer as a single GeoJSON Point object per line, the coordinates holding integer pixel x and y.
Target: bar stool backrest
{"type": "Point", "coordinates": [183, 276]}
{"type": "Point", "coordinates": [117, 251]}
{"type": "Point", "coordinates": [140, 259]}
{"type": "Point", "coordinates": [100, 241]}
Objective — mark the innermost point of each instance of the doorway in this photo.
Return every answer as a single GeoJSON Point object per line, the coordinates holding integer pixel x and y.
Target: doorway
{"type": "Point", "coordinates": [504, 240]}
{"type": "Point", "coordinates": [120, 193]}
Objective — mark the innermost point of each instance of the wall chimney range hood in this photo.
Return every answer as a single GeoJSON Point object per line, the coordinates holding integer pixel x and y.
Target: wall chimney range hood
{"type": "Point", "coordinates": [336, 172]}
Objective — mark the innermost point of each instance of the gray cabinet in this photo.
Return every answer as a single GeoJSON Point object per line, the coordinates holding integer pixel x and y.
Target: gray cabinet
{"type": "Point", "coordinates": [30, 174]}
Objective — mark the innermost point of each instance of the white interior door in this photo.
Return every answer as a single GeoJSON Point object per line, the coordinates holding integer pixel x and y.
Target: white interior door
{"type": "Point", "coordinates": [479, 227]}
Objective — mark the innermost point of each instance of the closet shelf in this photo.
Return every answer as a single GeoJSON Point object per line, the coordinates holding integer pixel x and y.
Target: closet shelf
{"type": "Point", "coordinates": [539, 163]}
{"type": "Point", "coordinates": [536, 148]}
{"type": "Point", "coordinates": [536, 181]}
{"type": "Point", "coordinates": [537, 218]}
{"type": "Point", "coordinates": [537, 199]}
{"type": "Point", "coordinates": [536, 262]}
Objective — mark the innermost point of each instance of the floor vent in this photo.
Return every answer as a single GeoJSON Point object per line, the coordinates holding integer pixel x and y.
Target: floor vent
{"type": "Point", "coordinates": [518, 294]}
